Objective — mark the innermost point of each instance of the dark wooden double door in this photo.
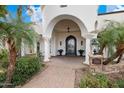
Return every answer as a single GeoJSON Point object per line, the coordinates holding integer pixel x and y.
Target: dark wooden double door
{"type": "Point", "coordinates": [71, 46]}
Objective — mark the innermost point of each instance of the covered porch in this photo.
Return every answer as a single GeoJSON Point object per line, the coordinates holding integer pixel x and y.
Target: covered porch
{"type": "Point", "coordinates": [66, 39]}
{"type": "Point", "coordinates": [68, 34]}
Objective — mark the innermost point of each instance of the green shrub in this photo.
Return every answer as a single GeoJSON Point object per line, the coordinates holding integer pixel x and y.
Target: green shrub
{"type": "Point", "coordinates": [3, 54]}
{"type": "Point", "coordinates": [26, 67]}
{"type": "Point", "coordinates": [5, 64]}
{"type": "Point", "coordinates": [104, 81]}
{"type": "Point", "coordinates": [96, 81]}
{"type": "Point", "coordinates": [2, 79]}
{"type": "Point", "coordinates": [120, 83]}
{"type": "Point", "coordinates": [4, 58]}
{"type": "Point", "coordinates": [112, 84]}
{"type": "Point", "coordinates": [89, 82]}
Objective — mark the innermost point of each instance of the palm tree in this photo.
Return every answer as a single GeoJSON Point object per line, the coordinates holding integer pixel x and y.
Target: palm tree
{"type": "Point", "coordinates": [3, 11]}
{"type": "Point", "coordinates": [14, 32]}
{"type": "Point", "coordinates": [112, 37]}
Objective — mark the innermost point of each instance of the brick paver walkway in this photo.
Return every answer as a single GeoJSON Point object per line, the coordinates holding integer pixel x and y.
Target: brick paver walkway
{"type": "Point", "coordinates": [59, 74]}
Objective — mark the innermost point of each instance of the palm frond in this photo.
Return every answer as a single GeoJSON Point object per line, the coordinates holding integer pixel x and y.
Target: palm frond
{"type": "Point", "coordinates": [112, 35]}
{"type": "Point", "coordinates": [16, 30]}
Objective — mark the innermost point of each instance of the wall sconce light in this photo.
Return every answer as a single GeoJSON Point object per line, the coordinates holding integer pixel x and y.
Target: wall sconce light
{"type": "Point", "coordinates": [60, 43]}
{"type": "Point", "coordinates": [81, 43]}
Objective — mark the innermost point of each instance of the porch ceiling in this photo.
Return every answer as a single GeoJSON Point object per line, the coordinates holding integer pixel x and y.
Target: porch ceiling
{"type": "Point", "coordinates": [64, 24]}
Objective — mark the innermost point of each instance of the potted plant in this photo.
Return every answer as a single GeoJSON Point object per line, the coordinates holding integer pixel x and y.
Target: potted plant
{"type": "Point", "coordinates": [60, 52]}
{"type": "Point", "coordinates": [81, 51]}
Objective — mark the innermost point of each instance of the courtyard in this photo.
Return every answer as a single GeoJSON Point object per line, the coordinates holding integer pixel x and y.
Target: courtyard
{"type": "Point", "coordinates": [26, 51]}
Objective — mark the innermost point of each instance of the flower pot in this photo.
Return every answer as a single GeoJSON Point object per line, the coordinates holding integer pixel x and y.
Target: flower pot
{"type": "Point", "coordinates": [81, 52]}
{"type": "Point", "coordinates": [60, 52]}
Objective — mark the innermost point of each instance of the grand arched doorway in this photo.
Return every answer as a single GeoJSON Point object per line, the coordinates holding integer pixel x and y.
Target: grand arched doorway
{"type": "Point", "coordinates": [71, 46]}
{"type": "Point", "coordinates": [57, 32]}
{"type": "Point", "coordinates": [66, 37]}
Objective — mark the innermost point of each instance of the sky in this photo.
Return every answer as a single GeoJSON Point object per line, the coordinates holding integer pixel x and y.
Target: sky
{"type": "Point", "coordinates": [37, 16]}
{"type": "Point", "coordinates": [12, 9]}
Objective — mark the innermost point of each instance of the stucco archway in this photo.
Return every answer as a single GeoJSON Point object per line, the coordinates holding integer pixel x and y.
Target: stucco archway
{"type": "Point", "coordinates": [49, 28]}
{"type": "Point", "coordinates": [63, 29]}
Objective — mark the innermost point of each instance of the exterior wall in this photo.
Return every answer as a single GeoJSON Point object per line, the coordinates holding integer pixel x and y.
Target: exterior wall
{"type": "Point", "coordinates": [119, 17]}
{"type": "Point", "coordinates": [87, 14]}
{"type": "Point", "coordinates": [41, 41]}
{"type": "Point", "coordinates": [38, 28]}
{"type": "Point", "coordinates": [79, 14]}
{"type": "Point", "coordinates": [26, 49]}
{"type": "Point", "coordinates": [84, 15]}
{"type": "Point", "coordinates": [61, 36]}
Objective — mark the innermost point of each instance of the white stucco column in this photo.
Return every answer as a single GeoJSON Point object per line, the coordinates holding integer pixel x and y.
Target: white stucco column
{"type": "Point", "coordinates": [35, 47]}
{"type": "Point", "coordinates": [88, 49]}
{"type": "Point", "coordinates": [22, 49]}
{"type": "Point", "coordinates": [89, 37]}
{"type": "Point", "coordinates": [46, 49]}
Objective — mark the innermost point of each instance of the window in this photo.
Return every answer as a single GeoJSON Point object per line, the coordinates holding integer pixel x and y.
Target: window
{"type": "Point", "coordinates": [62, 6]}
{"type": "Point", "coordinates": [109, 9]}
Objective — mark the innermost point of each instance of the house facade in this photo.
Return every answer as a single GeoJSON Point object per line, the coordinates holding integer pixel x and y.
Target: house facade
{"type": "Point", "coordinates": [69, 28]}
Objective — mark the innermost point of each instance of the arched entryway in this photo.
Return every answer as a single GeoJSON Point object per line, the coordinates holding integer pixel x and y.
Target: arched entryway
{"type": "Point", "coordinates": [71, 46]}
{"type": "Point", "coordinates": [66, 37]}
{"type": "Point", "coordinates": [57, 31]}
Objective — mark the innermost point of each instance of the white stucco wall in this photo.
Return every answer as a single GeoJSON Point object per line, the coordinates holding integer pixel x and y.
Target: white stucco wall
{"type": "Point", "coordinates": [85, 13]}
{"type": "Point", "coordinates": [41, 41]}
{"type": "Point", "coordinates": [38, 27]}
{"type": "Point", "coordinates": [119, 17]}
